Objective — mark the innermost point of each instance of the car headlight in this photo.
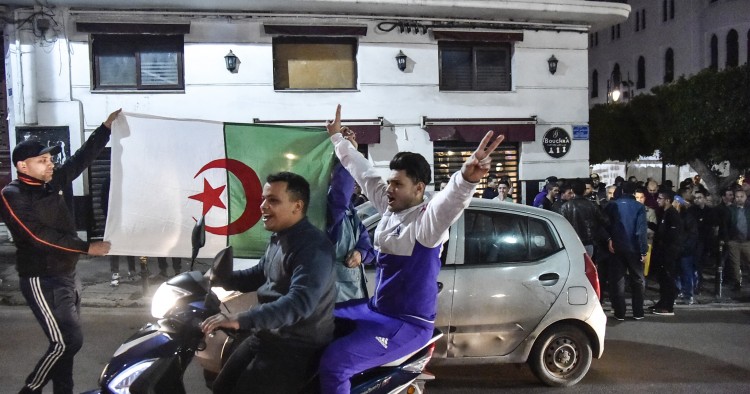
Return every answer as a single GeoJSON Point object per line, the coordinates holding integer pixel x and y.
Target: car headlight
{"type": "Point", "coordinates": [165, 298]}
{"type": "Point", "coordinates": [120, 384]}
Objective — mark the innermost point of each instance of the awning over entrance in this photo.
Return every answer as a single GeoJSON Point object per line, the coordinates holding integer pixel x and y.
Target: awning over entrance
{"type": "Point", "coordinates": [366, 130]}
{"type": "Point", "coordinates": [473, 129]}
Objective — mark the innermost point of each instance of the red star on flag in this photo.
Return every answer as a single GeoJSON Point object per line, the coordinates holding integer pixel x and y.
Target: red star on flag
{"type": "Point", "coordinates": [210, 197]}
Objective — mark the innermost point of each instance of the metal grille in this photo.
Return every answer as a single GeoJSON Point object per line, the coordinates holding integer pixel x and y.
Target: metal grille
{"type": "Point", "coordinates": [450, 156]}
{"type": "Point", "coordinates": [99, 191]}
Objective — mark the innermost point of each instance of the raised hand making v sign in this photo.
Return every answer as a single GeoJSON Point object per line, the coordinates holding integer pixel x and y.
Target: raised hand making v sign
{"type": "Point", "coordinates": [408, 242]}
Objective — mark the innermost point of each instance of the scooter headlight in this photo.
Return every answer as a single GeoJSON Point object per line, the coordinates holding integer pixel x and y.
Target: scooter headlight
{"type": "Point", "coordinates": [120, 384]}
{"type": "Point", "coordinates": [165, 298]}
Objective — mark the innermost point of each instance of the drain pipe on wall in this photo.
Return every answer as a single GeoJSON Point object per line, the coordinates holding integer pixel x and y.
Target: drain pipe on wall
{"type": "Point", "coordinates": [27, 57]}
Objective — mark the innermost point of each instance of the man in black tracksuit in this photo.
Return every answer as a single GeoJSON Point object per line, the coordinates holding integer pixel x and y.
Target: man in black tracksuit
{"type": "Point", "coordinates": [48, 247]}
{"type": "Point", "coordinates": [294, 279]}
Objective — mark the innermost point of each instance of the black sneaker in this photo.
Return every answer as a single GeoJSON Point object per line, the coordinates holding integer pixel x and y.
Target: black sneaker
{"type": "Point", "coordinates": [618, 318]}
{"type": "Point", "coordinates": [638, 317]}
{"type": "Point", "coordinates": [663, 312]}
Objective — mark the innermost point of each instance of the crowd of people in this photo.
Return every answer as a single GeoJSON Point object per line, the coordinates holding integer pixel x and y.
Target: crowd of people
{"type": "Point", "coordinates": [308, 276]}
{"type": "Point", "coordinates": [636, 228]}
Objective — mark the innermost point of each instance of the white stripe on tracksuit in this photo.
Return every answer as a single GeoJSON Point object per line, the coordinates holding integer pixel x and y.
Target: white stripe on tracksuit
{"type": "Point", "coordinates": [56, 337]}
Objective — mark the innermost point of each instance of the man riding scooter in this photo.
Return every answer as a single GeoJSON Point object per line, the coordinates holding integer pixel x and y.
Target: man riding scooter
{"type": "Point", "coordinates": [295, 286]}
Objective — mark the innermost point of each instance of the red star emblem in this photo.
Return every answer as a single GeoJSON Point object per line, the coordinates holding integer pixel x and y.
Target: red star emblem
{"type": "Point", "coordinates": [210, 197]}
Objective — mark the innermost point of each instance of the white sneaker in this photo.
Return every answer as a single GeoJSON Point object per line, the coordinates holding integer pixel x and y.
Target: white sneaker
{"type": "Point", "coordinates": [115, 280]}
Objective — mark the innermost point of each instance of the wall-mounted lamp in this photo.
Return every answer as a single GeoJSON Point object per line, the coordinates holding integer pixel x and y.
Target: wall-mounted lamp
{"type": "Point", "coordinates": [552, 64]}
{"type": "Point", "coordinates": [401, 61]}
{"type": "Point", "coordinates": [231, 60]}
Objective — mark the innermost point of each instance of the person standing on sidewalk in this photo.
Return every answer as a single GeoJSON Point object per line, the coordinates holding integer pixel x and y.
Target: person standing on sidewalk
{"type": "Point", "coordinates": [163, 275]}
{"type": "Point", "coordinates": [627, 227]}
{"type": "Point", "coordinates": [114, 261]}
{"type": "Point", "coordinates": [666, 253]}
{"type": "Point", "coordinates": [48, 247]}
{"type": "Point", "coordinates": [739, 237]}
{"type": "Point", "coordinates": [587, 219]}
{"type": "Point", "coordinates": [686, 278]}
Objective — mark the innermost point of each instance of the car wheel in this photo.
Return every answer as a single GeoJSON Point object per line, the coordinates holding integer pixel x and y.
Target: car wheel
{"type": "Point", "coordinates": [561, 356]}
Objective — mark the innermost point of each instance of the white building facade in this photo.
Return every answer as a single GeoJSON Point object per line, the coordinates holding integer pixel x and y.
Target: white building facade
{"type": "Point", "coordinates": [661, 41]}
{"type": "Point", "coordinates": [665, 39]}
{"type": "Point", "coordinates": [470, 66]}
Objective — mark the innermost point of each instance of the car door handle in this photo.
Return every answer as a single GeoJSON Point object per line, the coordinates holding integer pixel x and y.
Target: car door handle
{"type": "Point", "coordinates": [440, 287]}
{"type": "Point", "coordinates": [549, 279]}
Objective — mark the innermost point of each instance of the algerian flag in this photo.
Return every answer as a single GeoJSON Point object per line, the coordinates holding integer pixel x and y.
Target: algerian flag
{"type": "Point", "coordinates": [166, 173]}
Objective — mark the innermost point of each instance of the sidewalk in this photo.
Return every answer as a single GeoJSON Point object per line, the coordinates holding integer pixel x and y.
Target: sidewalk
{"type": "Point", "coordinates": [94, 274]}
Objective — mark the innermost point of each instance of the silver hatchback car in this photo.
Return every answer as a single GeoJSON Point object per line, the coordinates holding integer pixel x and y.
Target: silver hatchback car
{"type": "Point", "coordinates": [516, 286]}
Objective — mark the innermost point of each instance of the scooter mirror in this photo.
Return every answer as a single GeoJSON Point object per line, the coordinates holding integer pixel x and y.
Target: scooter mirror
{"type": "Point", "coordinates": [222, 266]}
{"type": "Point", "coordinates": [198, 238]}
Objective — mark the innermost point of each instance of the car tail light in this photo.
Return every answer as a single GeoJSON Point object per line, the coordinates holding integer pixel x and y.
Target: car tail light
{"type": "Point", "coordinates": [592, 274]}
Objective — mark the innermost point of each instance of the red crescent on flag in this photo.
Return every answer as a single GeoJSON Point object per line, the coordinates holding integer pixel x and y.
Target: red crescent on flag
{"type": "Point", "coordinates": [253, 192]}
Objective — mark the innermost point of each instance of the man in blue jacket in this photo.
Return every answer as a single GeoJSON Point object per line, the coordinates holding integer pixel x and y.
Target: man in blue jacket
{"type": "Point", "coordinates": [627, 228]}
{"type": "Point", "coordinates": [293, 320]}
{"type": "Point", "coordinates": [400, 316]}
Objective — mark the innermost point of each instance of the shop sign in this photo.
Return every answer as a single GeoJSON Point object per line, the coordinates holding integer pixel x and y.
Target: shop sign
{"type": "Point", "coordinates": [556, 142]}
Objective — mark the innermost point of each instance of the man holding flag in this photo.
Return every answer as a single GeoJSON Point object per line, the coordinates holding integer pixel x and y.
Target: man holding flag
{"type": "Point", "coordinates": [407, 240]}
{"type": "Point", "coordinates": [48, 247]}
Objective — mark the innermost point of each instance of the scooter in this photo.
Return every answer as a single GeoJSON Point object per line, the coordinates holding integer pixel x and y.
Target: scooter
{"type": "Point", "coordinates": [154, 359]}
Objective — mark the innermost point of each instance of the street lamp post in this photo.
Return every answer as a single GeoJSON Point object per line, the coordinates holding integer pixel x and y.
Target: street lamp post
{"type": "Point", "coordinates": [613, 91]}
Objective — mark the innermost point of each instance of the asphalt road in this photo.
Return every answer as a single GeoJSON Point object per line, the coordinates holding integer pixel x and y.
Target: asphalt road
{"type": "Point", "coordinates": [696, 351]}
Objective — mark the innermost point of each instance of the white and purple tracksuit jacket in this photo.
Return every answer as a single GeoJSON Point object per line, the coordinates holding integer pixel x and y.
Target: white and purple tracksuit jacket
{"type": "Point", "coordinates": [407, 243]}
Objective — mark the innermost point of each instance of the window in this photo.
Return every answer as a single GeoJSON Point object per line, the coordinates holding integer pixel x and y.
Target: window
{"type": "Point", "coordinates": [669, 66]}
{"type": "Point", "coordinates": [596, 38]}
{"type": "Point", "coordinates": [449, 156]}
{"type": "Point", "coordinates": [616, 75]}
{"type": "Point", "coordinates": [671, 9]}
{"type": "Point", "coordinates": [714, 53]}
{"type": "Point", "coordinates": [312, 63]}
{"type": "Point", "coordinates": [494, 237]}
{"type": "Point", "coordinates": [637, 21]}
{"type": "Point", "coordinates": [640, 82]}
{"type": "Point", "coordinates": [595, 84]}
{"type": "Point", "coordinates": [664, 11]}
{"type": "Point", "coordinates": [541, 241]}
{"type": "Point", "coordinates": [618, 30]}
{"type": "Point", "coordinates": [504, 238]}
{"type": "Point", "coordinates": [474, 66]}
{"type": "Point", "coordinates": [643, 18]}
{"type": "Point", "coordinates": [733, 49]}
{"type": "Point", "coordinates": [138, 62]}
